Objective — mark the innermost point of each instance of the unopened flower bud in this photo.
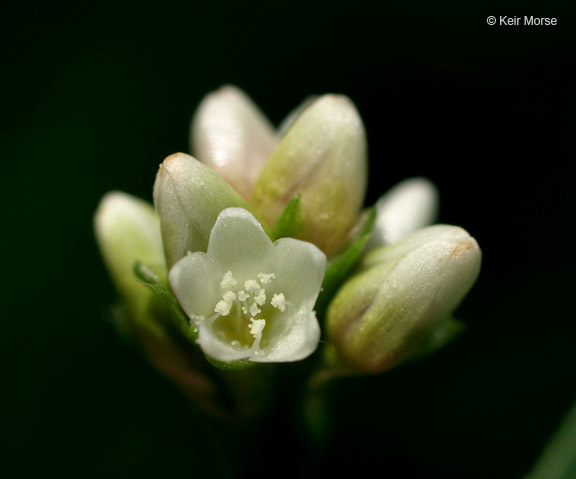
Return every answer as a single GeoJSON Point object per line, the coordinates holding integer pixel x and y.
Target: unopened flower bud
{"type": "Point", "coordinates": [322, 157]}
{"type": "Point", "coordinates": [410, 205]}
{"type": "Point", "coordinates": [189, 196]}
{"type": "Point", "coordinates": [128, 231]}
{"type": "Point", "coordinates": [233, 137]}
{"type": "Point", "coordinates": [401, 293]}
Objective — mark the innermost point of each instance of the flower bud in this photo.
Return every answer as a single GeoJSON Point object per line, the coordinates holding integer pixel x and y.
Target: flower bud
{"type": "Point", "coordinates": [233, 137]}
{"type": "Point", "coordinates": [189, 196]}
{"type": "Point", "coordinates": [322, 157]}
{"type": "Point", "coordinates": [127, 230]}
{"type": "Point", "coordinates": [400, 295]}
{"type": "Point", "coordinates": [407, 207]}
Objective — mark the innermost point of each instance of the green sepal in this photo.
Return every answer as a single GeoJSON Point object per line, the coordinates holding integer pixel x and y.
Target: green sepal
{"type": "Point", "coordinates": [230, 366]}
{"type": "Point", "coordinates": [289, 223]}
{"type": "Point", "coordinates": [340, 265]}
{"type": "Point", "coordinates": [164, 306]}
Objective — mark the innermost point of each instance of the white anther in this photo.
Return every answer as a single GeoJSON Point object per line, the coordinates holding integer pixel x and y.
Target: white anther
{"type": "Point", "coordinates": [260, 298]}
{"type": "Point", "coordinates": [279, 301]}
{"type": "Point", "coordinates": [251, 285]}
{"type": "Point", "coordinates": [254, 310]}
{"type": "Point", "coordinates": [228, 280]}
{"type": "Point", "coordinates": [243, 296]}
{"type": "Point", "coordinates": [266, 278]}
{"type": "Point", "coordinates": [229, 296]}
{"type": "Point", "coordinates": [223, 307]}
{"type": "Point", "coordinates": [256, 327]}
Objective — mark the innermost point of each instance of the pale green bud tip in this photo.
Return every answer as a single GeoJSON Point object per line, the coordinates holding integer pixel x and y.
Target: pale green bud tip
{"type": "Point", "coordinates": [407, 207]}
{"type": "Point", "coordinates": [188, 197]}
{"type": "Point", "coordinates": [402, 292]}
{"type": "Point", "coordinates": [233, 137]}
{"type": "Point", "coordinates": [127, 230]}
{"type": "Point", "coordinates": [322, 157]}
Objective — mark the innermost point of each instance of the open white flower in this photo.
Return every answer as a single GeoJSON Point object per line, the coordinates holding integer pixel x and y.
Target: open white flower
{"type": "Point", "coordinates": [251, 298]}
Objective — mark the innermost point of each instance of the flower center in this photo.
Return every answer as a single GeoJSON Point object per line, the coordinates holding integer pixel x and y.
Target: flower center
{"type": "Point", "coordinates": [242, 316]}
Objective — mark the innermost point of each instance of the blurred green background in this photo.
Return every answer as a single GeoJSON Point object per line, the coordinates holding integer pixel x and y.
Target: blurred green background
{"type": "Point", "coordinates": [96, 95]}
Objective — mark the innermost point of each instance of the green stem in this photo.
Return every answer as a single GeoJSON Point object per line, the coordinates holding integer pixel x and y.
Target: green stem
{"type": "Point", "coordinates": [558, 460]}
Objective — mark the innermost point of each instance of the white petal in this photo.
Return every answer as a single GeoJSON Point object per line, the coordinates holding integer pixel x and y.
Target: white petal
{"type": "Point", "coordinates": [195, 283]}
{"type": "Point", "coordinates": [299, 269]}
{"type": "Point", "coordinates": [217, 349]}
{"type": "Point", "coordinates": [240, 244]}
{"type": "Point", "coordinates": [232, 136]}
{"type": "Point", "coordinates": [407, 207]}
{"type": "Point", "coordinates": [299, 342]}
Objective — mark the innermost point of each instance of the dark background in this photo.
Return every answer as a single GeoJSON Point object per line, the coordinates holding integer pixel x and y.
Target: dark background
{"type": "Point", "coordinates": [95, 96]}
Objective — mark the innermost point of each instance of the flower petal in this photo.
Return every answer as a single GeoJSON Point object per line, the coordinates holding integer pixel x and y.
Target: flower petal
{"type": "Point", "coordinates": [194, 282]}
{"type": "Point", "coordinates": [217, 349]}
{"type": "Point", "coordinates": [299, 342]}
{"type": "Point", "coordinates": [300, 268]}
{"type": "Point", "coordinates": [240, 243]}
{"type": "Point", "coordinates": [232, 136]}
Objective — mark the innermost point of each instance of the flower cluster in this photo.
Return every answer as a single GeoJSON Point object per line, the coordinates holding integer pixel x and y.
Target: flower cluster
{"type": "Point", "coordinates": [259, 242]}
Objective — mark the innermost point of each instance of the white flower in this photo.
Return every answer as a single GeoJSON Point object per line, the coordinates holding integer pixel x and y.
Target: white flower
{"type": "Point", "coordinates": [248, 297]}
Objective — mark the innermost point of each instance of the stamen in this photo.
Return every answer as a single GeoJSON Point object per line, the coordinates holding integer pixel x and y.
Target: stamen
{"type": "Point", "coordinates": [265, 278]}
{"type": "Point", "coordinates": [223, 307]}
{"type": "Point", "coordinates": [254, 309]}
{"type": "Point", "coordinates": [243, 296]}
{"type": "Point", "coordinates": [251, 285]}
{"type": "Point", "coordinates": [228, 281]}
{"type": "Point", "coordinates": [229, 296]}
{"type": "Point", "coordinates": [256, 327]}
{"type": "Point", "coordinates": [260, 298]}
{"type": "Point", "coordinates": [279, 301]}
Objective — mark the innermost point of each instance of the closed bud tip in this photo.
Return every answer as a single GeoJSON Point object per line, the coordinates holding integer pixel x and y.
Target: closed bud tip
{"type": "Point", "coordinates": [322, 157]}
{"type": "Point", "coordinates": [401, 293]}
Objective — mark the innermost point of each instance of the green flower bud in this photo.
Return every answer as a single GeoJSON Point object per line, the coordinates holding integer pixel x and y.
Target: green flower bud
{"type": "Point", "coordinates": [401, 293]}
{"type": "Point", "coordinates": [189, 196]}
{"type": "Point", "coordinates": [322, 157]}
{"type": "Point", "coordinates": [127, 230]}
